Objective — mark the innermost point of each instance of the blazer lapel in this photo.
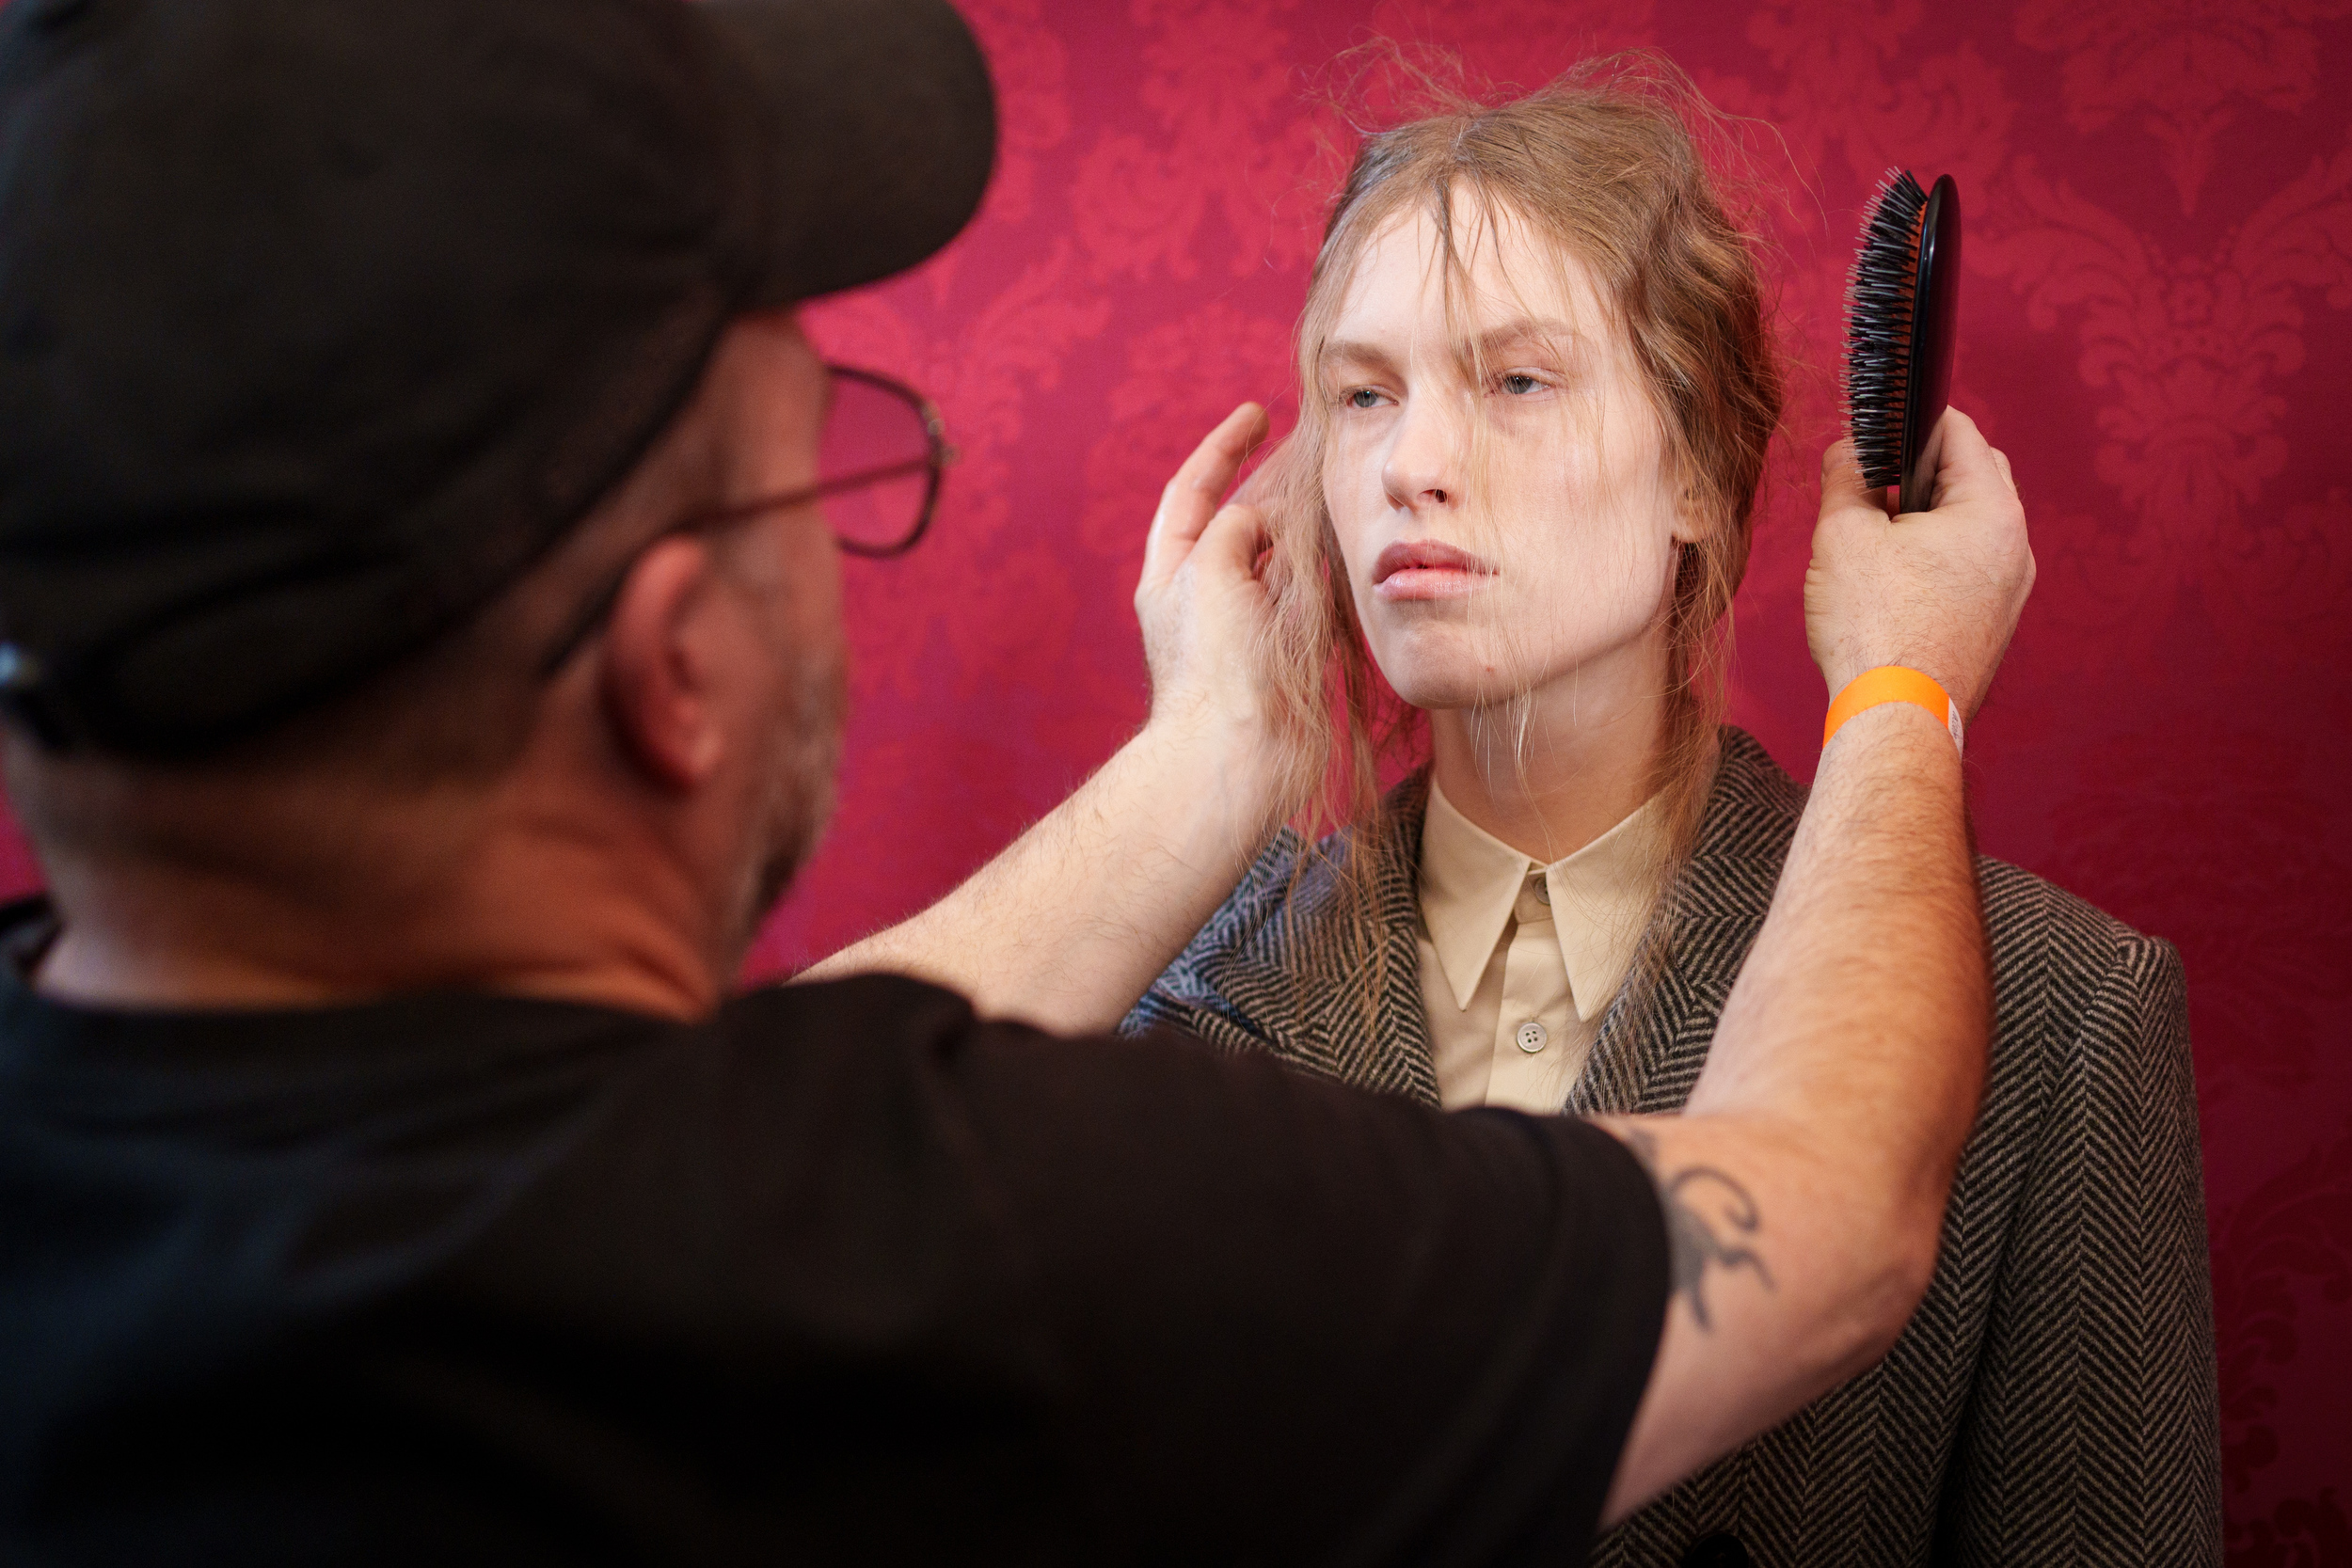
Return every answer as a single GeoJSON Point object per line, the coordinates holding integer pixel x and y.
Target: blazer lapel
{"type": "Point", "coordinates": [1311, 989]}
{"type": "Point", "coordinates": [1654, 1039]}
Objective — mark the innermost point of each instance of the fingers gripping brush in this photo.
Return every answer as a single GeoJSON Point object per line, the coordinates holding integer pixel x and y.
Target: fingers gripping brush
{"type": "Point", "coordinates": [1902, 302]}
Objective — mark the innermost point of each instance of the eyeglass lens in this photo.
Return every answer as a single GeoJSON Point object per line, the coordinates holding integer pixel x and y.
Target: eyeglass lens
{"type": "Point", "coordinates": [872, 430]}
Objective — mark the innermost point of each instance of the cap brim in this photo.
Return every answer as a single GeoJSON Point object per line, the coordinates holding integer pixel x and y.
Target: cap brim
{"type": "Point", "coordinates": [884, 135]}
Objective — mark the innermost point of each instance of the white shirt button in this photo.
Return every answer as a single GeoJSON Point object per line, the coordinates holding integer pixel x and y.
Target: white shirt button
{"type": "Point", "coordinates": [1542, 890]}
{"type": "Point", "coordinates": [1533, 1036]}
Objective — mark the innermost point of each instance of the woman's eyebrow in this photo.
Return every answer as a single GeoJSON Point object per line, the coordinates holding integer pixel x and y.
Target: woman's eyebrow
{"type": "Point", "coordinates": [1348, 351]}
{"type": "Point", "coordinates": [1547, 330]}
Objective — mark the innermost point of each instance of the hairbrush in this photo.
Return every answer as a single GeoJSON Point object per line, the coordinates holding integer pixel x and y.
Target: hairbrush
{"type": "Point", "coordinates": [1902, 301]}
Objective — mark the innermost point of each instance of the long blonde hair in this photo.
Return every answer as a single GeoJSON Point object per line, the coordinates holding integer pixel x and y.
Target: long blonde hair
{"type": "Point", "coordinates": [1606, 164]}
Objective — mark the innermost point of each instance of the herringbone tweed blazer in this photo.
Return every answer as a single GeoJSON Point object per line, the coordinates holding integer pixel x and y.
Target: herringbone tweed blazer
{"type": "Point", "coordinates": [2053, 1401]}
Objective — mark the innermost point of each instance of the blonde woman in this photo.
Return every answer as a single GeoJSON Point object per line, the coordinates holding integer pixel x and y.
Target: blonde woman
{"type": "Point", "coordinates": [1536, 389]}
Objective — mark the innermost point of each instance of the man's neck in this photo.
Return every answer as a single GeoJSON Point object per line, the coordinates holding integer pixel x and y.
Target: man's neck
{"type": "Point", "coordinates": [1551, 775]}
{"type": "Point", "coordinates": [525, 918]}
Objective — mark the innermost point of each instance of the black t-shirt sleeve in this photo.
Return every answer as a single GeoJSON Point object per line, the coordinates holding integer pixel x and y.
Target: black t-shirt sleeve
{"type": "Point", "coordinates": [1302, 1322]}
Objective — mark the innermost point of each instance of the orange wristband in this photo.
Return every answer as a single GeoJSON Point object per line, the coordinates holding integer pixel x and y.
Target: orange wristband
{"type": "Point", "coordinates": [1892, 683]}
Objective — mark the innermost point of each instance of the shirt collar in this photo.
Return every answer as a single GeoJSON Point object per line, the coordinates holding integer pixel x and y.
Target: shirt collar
{"type": "Point", "coordinates": [1600, 898]}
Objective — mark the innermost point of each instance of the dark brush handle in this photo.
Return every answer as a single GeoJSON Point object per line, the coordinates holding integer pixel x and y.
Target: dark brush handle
{"type": "Point", "coordinates": [1934, 325]}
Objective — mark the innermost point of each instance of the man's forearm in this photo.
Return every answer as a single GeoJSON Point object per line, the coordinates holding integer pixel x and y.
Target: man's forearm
{"type": "Point", "coordinates": [1864, 1008]}
{"type": "Point", "coordinates": [1804, 1185]}
{"type": "Point", "coordinates": [1857, 1031]}
{"type": "Point", "coordinates": [1069, 926]}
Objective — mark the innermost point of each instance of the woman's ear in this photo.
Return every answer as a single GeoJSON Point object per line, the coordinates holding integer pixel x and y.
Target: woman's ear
{"type": "Point", "coordinates": [1692, 523]}
{"type": "Point", "coordinates": [660, 665]}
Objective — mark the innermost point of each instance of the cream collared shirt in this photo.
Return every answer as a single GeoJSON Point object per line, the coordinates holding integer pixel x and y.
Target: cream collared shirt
{"type": "Point", "coordinates": [1518, 961]}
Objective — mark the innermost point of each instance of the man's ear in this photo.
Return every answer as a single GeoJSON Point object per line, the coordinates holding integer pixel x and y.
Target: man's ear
{"type": "Point", "coordinates": [661, 661]}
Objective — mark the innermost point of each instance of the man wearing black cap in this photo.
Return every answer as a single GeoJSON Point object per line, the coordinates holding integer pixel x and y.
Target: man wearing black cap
{"type": "Point", "coordinates": [420, 646]}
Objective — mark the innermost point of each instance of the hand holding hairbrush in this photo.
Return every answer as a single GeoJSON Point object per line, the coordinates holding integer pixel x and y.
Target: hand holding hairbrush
{"type": "Point", "coordinates": [1903, 303]}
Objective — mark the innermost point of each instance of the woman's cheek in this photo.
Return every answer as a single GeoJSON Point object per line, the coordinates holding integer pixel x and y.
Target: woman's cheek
{"type": "Point", "coordinates": [1347, 527]}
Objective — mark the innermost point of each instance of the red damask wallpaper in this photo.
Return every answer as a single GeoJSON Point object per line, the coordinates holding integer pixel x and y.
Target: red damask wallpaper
{"type": "Point", "coordinates": [2156, 320]}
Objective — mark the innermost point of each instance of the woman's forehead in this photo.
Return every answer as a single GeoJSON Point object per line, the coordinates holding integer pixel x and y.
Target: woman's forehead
{"type": "Point", "coordinates": [1503, 273]}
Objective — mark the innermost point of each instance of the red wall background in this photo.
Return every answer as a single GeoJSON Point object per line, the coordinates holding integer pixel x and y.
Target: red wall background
{"type": "Point", "coordinates": [2157, 314]}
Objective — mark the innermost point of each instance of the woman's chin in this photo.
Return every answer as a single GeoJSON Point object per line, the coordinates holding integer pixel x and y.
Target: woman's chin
{"type": "Point", "coordinates": [1467, 684]}
{"type": "Point", "coordinates": [1435, 665]}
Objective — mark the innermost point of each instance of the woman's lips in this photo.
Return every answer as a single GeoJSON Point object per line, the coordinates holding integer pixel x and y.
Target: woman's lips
{"type": "Point", "coordinates": [1425, 569]}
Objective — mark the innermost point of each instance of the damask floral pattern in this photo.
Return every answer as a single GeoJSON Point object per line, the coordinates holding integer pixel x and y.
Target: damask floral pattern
{"type": "Point", "coordinates": [2186, 67]}
{"type": "Point", "coordinates": [1223, 141]}
{"type": "Point", "coordinates": [2289, 1243]}
{"type": "Point", "coordinates": [2156, 312]}
{"type": "Point", "coordinates": [2194, 353]}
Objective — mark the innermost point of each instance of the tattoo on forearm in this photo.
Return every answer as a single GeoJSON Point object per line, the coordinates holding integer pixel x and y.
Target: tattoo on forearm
{"type": "Point", "coordinates": [1694, 1242]}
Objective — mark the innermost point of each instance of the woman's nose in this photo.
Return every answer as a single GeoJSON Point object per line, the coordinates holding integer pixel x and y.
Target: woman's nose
{"type": "Point", "coordinates": [1423, 462]}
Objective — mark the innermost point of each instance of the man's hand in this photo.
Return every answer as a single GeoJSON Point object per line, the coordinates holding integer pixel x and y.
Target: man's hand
{"type": "Point", "coordinates": [1938, 591]}
{"type": "Point", "coordinates": [1070, 924]}
{"type": "Point", "coordinates": [1199, 601]}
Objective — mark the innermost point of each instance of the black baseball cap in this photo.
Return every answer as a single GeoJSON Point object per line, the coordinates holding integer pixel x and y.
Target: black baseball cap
{"type": "Point", "coordinates": [322, 319]}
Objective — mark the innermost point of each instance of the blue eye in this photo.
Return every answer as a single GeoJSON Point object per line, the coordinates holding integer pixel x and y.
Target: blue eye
{"type": "Point", "coordinates": [1520, 386]}
{"type": "Point", "coordinates": [1363, 397]}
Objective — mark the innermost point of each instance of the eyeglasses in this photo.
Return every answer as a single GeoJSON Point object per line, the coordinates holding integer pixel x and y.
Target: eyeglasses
{"type": "Point", "coordinates": [878, 466]}
{"type": "Point", "coordinates": [880, 461]}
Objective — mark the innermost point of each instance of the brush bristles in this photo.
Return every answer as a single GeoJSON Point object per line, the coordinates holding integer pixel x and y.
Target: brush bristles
{"type": "Point", "coordinates": [1878, 307]}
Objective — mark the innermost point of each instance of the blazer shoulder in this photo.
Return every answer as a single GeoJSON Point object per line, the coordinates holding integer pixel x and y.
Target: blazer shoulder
{"type": "Point", "coordinates": [2072, 935]}
{"type": "Point", "coordinates": [2060, 963]}
{"type": "Point", "coordinates": [1752, 815]}
{"type": "Point", "coordinates": [2077, 989]}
